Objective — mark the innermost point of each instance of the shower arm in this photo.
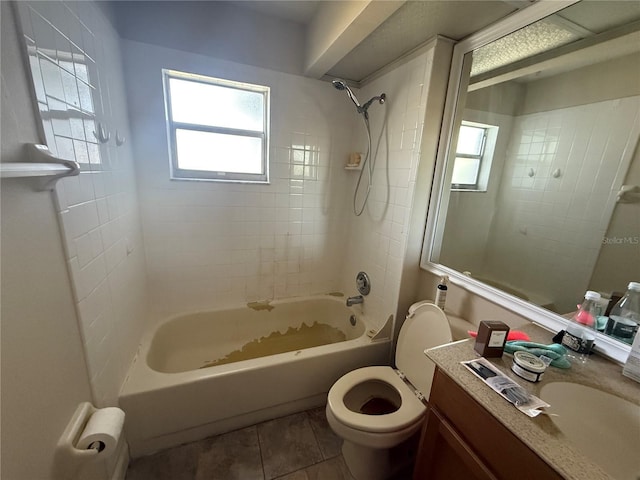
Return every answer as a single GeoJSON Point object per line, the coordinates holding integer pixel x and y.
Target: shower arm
{"type": "Point", "coordinates": [380, 98]}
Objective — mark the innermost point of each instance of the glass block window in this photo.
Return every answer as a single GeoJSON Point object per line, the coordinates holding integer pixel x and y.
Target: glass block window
{"type": "Point", "coordinates": [217, 129]}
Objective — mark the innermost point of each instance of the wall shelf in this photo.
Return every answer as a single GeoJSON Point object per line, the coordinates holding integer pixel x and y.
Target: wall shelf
{"type": "Point", "coordinates": [353, 167]}
{"type": "Point", "coordinates": [24, 169]}
{"type": "Point", "coordinates": [44, 165]}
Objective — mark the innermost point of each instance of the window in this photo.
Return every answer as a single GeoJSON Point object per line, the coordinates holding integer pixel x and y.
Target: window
{"type": "Point", "coordinates": [466, 169]}
{"type": "Point", "coordinates": [475, 147]}
{"type": "Point", "coordinates": [218, 129]}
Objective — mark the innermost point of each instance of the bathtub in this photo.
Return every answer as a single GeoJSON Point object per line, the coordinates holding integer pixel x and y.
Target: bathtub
{"type": "Point", "coordinates": [172, 395]}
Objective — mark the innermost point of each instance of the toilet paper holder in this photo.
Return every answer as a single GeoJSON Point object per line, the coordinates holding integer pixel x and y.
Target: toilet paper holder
{"type": "Point", "coordinates": [68, 458]}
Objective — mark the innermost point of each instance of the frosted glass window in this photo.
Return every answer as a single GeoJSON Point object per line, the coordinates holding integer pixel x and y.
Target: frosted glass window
{"type": "Point", "coordinates": [470, 140]}
{"type": "Point", "coordinates": [465, 171]}
{"type": "Point", "coordinates": [218, 129]}
{"type": "Point", "coordinates": [217, 152]}
{"type": "Point", "coordinates": [216, 106]}
{"type": "Point", "coordinates": [468, 159]}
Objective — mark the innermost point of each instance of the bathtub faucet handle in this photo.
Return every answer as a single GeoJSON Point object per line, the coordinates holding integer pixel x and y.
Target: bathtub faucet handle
{"type": "Point", "coordinates": [354, 300]}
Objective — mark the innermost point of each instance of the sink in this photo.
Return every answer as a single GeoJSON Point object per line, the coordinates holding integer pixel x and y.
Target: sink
{"type": "Point", "coordinates": [603, 427]}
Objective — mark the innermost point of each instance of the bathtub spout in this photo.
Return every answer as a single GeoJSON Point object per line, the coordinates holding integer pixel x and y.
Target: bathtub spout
{"type": "Point", "coordinates": [354, 300]}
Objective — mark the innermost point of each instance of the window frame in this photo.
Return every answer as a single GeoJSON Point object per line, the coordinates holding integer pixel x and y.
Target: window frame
{"type": "Point", "coordinates": [177, 173]}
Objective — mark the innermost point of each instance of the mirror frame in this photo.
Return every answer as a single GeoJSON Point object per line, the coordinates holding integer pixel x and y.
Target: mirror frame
{"type": "Point", "coordinates": [456, 90]}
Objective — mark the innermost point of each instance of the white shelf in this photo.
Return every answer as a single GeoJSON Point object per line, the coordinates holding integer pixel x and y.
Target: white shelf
{"type": "Point", "coordinates": [17, 170]}
{"type": "Point", "coordinates": [43, 165]}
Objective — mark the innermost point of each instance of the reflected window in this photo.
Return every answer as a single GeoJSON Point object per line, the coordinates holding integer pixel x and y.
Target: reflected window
{"type": "Point", "coordinates": [472, 156]}
{"type": "Point", "coordinates": [64, 85]}
{"type": "Point", "coordinates": [218, 129]}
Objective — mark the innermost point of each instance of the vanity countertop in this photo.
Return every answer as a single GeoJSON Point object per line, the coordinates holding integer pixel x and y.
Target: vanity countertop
{"type": "Point", "coordinates": [539, 434]}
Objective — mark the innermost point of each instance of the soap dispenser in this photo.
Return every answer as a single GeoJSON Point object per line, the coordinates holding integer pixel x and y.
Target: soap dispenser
{"type": "Point", "coordinates": [441, 292]}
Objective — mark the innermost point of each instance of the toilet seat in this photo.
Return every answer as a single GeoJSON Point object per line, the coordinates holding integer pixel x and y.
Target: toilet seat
{"type": "Point", "coordinates": [410, 411]}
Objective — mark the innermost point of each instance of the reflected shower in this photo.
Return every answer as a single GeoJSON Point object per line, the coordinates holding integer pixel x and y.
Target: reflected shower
{"type": "Point", "coordinates": [364, 111]}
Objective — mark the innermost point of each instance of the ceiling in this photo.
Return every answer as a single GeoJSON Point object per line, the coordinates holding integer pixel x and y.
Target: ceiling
{"type": "Point", "coordinates": [411, 25]}
{"type": "Point", "coordinates": [336, 38]}
{"type": "Point", "coordinates": [583, 34]}
{"type": "Point", "coordinates": [294, 10]}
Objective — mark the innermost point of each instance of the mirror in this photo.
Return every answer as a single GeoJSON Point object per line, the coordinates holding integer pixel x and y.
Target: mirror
{"type": "Point", "coordinates": [538, 198]}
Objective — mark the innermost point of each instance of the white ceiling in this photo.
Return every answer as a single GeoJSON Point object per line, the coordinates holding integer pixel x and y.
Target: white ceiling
{"type": "Point", "coordinates": [412, 25]}
{"type": "Point", "coordinates": [294, 10]}
{"type": "Point", "coordinates": [415, 22]}
{"type": "Point", "coordinates": [582, 28]}
{"type": "Point", "coordinates": [380, 31]}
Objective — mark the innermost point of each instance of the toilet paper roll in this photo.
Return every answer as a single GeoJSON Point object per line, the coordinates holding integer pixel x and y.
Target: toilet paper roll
{"type": "Point", "coordinates": [102, 431]}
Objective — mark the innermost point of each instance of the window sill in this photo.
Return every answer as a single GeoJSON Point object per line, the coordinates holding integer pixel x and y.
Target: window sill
{"type": "Point", "coordinates": [470, 190]}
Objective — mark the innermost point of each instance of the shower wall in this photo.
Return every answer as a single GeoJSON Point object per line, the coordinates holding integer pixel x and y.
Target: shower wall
{"type": "Point", "coordinates": [378, 238]}
{"type": "Point", "coordinates": [213, 244]}
{"type": "Point", "coordinates": [547, 231]}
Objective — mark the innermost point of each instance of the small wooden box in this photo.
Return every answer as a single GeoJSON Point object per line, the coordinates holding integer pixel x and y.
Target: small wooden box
{"type": "Point", "coordinates": [492, 336]}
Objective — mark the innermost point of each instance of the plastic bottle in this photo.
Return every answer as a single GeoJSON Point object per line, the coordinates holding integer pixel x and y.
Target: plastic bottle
{"type": "Point", "coordinates": [625, 315]}
{"type": "Point", "coordinates": [580, 332]}
{"type": "Point", "coordinates": [441, 292]}
{"type": "Point", "coordinates": [632, 366]}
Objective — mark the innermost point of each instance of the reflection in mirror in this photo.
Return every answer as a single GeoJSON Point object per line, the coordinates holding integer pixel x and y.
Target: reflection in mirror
{"type": "Point", "coordinates": [64, 80]}
{"type": "Point", "coordinates": [537, 198]}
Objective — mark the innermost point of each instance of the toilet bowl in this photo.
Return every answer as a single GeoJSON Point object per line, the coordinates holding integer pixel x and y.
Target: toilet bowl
{"type": "Point", "coordinates": [374, 409]}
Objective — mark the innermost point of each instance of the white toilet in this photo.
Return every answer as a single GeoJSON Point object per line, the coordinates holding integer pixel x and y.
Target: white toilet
{"type": "Point", "coordinates": [376, 408]}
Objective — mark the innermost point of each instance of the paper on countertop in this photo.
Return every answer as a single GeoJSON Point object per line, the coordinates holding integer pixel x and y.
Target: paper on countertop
{"type": "Point", "coordinates": [507, 388]}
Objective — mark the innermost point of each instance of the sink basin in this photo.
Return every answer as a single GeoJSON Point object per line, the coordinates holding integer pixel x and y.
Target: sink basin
{"type": "Point", "coordinates": [602, 426]}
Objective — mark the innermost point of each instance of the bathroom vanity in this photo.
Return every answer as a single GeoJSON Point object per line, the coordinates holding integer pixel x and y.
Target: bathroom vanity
{"type": "Point", "coordinates": [472, 433]}
{"type": "Point", "coordinates": [462, 440]}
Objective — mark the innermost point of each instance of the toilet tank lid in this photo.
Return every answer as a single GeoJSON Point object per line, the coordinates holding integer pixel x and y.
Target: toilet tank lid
{"type": "Point", "coordinates": [427, 326]}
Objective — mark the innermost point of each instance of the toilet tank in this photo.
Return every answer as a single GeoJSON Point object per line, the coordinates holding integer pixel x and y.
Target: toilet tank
{"type": "Point", "coordinates": [425, 327]}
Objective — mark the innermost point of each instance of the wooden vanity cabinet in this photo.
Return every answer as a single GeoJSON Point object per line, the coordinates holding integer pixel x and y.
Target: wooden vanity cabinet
{"type": "Point", "coordinates": [463, 441]}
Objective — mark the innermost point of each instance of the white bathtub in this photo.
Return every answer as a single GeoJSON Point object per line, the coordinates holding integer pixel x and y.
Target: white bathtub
{"type": "Point", "coordinates": [169, 400]}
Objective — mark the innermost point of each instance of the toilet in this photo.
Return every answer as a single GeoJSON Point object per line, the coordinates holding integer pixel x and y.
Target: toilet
{"type": "Point", "coordinates": [376, 408]}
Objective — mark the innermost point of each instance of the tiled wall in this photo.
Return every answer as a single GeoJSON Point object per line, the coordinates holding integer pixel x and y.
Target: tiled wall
{"type": "Point", "coordinates": [74, 55]}
{"type": "Point", "coordinates": [212, 244]}
{"type": "Point", "coordinates": [473, 211]}
{"type": "Point", "coordinates": [619, 259]}
{"type": "Point", "coordinates": [377, 238]}
{"type": "Point", "coordinates": [564, 217]}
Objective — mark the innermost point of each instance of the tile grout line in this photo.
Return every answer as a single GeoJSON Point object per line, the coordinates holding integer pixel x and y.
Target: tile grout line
{"type": "Point", "coordinates": [264, 475]}
{"type": "Point", "coordinates": [315, 437]}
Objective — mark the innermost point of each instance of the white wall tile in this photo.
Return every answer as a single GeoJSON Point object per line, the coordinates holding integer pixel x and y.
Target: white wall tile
{"type": "Point", "coordinates": [256, 234]}
{"type": "Point", "coordinates": [565, 216]}
{"type": "Point", "coordinates": [377, 238]}
{"type": "Point", "coordinates": [92, 216]}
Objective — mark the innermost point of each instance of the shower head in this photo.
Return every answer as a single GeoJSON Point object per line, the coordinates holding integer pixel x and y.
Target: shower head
{"type": "Point", "coordinates": [339, 84]}
{"type": "Point", "coordinates": [342, 85]}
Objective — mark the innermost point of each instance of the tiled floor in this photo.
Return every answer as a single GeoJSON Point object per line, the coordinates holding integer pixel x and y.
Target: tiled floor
{"type": "Point", "coordinates": [297, 447]}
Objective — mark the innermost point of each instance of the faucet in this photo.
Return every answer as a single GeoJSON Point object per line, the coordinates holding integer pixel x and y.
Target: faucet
{"type": "Point", "coordinates": [354, 300]}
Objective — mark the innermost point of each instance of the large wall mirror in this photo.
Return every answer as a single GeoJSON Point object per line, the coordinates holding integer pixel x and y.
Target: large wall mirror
{"type": "Point", "coordinates": [538, 179]}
